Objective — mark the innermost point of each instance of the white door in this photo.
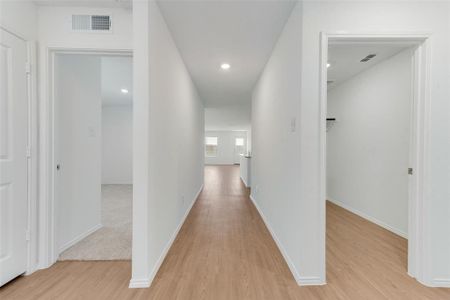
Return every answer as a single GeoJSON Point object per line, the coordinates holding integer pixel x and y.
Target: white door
{"type": "Point", "coordinates": [13, 157]}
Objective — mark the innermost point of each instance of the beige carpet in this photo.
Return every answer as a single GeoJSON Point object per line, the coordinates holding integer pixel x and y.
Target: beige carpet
{"type": "Point", "coordinates": [113, 240]}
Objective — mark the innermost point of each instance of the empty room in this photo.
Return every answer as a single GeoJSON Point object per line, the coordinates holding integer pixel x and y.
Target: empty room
{"type": "Point", "coordinates": [370, 106]}
{"type": "Point", "coordinates": [93, 156]}
{"type": "Point", "coordinates": [183, 149]}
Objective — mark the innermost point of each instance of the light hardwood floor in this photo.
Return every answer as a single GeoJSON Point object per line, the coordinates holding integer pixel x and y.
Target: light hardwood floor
{"type": "Point", "coordinates": [224, 251]}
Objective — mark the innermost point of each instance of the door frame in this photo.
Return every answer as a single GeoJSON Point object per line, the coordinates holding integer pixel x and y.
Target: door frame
{"type": "Point", "coordinates": [32, 153]}
{"type": "Point", "coordinates": [47, 232]}
{"type": "Point", "coordinates": [418, 252]}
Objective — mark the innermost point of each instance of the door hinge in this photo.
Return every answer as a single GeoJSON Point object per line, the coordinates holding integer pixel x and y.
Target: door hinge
{"type": "Point", "coordinates": [28, 152]}
{"type": "Point", "coordinates": [28, 68]}
{"type": "Point", "coordinates": [27, 235]}
{"type": "Point", "coordinates": [410, 171]}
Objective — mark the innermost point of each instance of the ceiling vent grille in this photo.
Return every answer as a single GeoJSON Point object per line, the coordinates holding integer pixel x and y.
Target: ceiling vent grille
{"type": "Point", "coordinates": [368, 57]}
{"type": "Point", "coordinates": [91, 23]}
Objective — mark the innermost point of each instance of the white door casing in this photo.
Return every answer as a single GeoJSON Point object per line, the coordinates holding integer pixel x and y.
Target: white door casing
{"type": "Point", "coordinates": [13, 157]}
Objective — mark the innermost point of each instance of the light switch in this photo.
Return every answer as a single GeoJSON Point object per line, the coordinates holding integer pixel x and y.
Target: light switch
{"type": "Point", "coordinates": [293, 124]}
{"type": "Point", "coordinates": [91, 131]}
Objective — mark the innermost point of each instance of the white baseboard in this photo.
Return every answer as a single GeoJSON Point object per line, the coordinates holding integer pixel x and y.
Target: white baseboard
{"type": "Point", "coordinates": [139, 283]}
{"type": "Point", "coordinates": [369, 218]}
{"type": "Point", "coordinates": [313, 280]}
{"type": "Point", "coordinates": [286, 257]}
{"type": "Point", "coordinates": [441, 282]}
{"type": "Point", "coordinates": [79, 238]}
{"type": "Point", "coordinates": [146, 282]}
{"type": "Point", "coordinates": [245, 183]}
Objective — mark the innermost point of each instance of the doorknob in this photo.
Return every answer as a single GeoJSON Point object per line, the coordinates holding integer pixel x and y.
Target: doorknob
{"type": "Point", "coordinates": [58, 166]}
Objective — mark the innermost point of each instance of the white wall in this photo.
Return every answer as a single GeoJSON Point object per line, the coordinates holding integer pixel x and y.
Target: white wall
{"type": "Point", "coordinates": [54, 32]}
{"type": "Point", "coordinates": [117, 144]}
{"type": "Point", "coordinates": [228, 117]}
{"type": "Point", "coordinates": [382, 17]}
{"type": "Point", "coordinates": [368, 148]}
{"type": "Point", "coordinates": [225, 148]}
{"type": "Point", "coordinates": [19, 17]}
{"type": "Point", "coordinates": [275, 144]}
{"type": "Point", "coordinates": [168, 147]}
{"type": "Point", "coordinates": [78, 144]}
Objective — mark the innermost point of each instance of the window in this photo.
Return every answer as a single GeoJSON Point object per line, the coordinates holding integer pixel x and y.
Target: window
{"type": "Point", "coordinates": [239, 146]}
{"type": "Point", "coordinates": [211, 146]}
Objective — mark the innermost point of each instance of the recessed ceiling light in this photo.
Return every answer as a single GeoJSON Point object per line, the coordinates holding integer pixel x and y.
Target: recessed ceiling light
{"type": "Point", "coordinates": [124, 91]}
{"type": "Point", "coordinates": [225, 66]}
{"type": "Point", "coordinates": [328, 65]}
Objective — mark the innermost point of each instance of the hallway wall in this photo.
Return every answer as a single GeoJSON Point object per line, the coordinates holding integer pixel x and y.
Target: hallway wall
{"type": "Point", "coordinates": [275, 142]}
{"type": "Point", "coordinates": [368, 146]}
{"type": "Point", "coordinates": [168, 146]}
{"type": "Point", "coordinates": [20, 17]}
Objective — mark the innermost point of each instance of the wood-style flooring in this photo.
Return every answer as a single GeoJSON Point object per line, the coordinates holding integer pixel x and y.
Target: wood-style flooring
{"type": "Point", "coordinates": [224, 251]}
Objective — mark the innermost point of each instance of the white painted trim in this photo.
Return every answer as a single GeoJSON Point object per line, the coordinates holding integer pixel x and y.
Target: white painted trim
{"type": "Point", "coordinates": [140, 283]}
{"type": "Point", "coordinates": [312, 280]}
{"type": "Point", "coordinates": [79, 238]}
{"type": "Point", "coordinates": [146, 282]}
{"type": "Point", "coordinates": [32, 227]}
{"type": "Point", "coordinates": [419, 260]}
{"type": "Point", "coordinates": [299, 279]}
{"type": "Point", "coordinates": [369, 218]}
{"type": "Point", "coordinates": [441, 282]}
{"type": "Point", "coordinates": [245, 182]}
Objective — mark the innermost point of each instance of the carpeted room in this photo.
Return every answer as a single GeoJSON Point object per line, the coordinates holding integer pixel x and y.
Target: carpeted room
{"type": "Point", "coordinates": [94, 190]}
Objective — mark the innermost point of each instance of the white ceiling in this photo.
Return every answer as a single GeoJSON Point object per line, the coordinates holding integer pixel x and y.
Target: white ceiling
{"type": "Point", "coordinates": [117, 73]}
{"type": "Point", "coordinates": [241, 33]}
{"type": "Point", "coordinates": [86, 3]}
{"type": "Point", "coordinates": [345, 59]}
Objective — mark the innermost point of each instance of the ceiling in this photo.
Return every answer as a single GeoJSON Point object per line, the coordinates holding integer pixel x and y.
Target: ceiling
{"type": "Point", "coordinates": [86, 3]}
{"type": "Point", "coordinates": [117, 74]}
{"type": "Point", "coordinates": [345, 59]}
{"type": "Point", "coordinates": [241, 33]}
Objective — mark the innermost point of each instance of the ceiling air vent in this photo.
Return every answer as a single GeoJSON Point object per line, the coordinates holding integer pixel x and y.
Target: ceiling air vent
{"type": "Point", "coordinates": [368, 57]}
{"type": "Point", "coordinates": [93, 23]}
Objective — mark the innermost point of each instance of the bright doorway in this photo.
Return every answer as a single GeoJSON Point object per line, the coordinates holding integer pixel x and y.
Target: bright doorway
{"type": "Point", "coordinates": [416, 132]}
{"type": "Point", "coordinates": [93, 156]}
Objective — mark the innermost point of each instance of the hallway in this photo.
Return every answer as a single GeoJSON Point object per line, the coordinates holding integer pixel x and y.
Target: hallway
{"type": "Point", "coordinates": [224, 251]}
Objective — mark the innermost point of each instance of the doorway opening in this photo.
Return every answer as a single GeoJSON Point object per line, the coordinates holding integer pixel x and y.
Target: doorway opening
{"type": "Point", "coordinates": [373, 142]}
{"type": "Point", "coordinates": [92, 158]}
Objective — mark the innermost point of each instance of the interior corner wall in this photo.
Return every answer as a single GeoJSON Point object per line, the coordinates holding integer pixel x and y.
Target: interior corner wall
{"type": "Point", "coordinates": [276, 145]}
{"type": "Point", "coordinates": [117, 144]}
{"type": "Point", "coordinates": [225, 147]}
{"type": "Point", "coordinates": [20, 17]}
{"type": "Point", "coordinates": [384, 18]}
{"type": "Point", "coordinates": [368, 147]}
{"type": "Point", "coordinates": [174, 155]}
